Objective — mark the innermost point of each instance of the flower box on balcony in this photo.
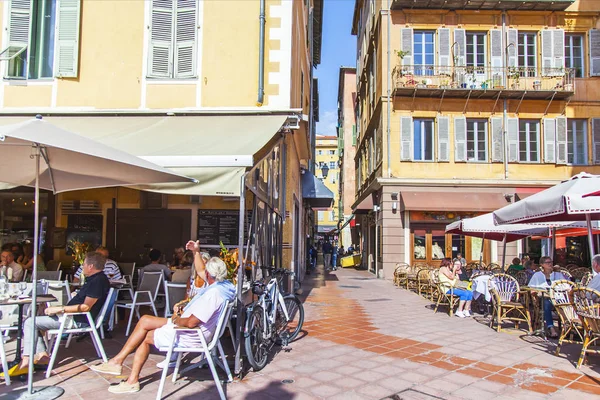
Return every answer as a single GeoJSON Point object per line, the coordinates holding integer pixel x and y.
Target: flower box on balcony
{"type": "Point", "coordinates": [432, 86]}
{"type": "Point", "coordinates": [499, 87]}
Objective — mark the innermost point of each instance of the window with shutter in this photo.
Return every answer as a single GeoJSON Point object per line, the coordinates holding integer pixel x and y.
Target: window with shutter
{"type": "Point", "coordinates": [529, 133]}
{"type": "Point", "coordinates": [173, 37]}
{"type": "Point", "coordinates": [406, 135]}
{"type": "Point", "coordinates": [67, 43]}
{"type": "Point", "coordinates": [596, 139]}
{"type": "Point", "coordinates": [443, 139]}
{"type": "Point", "coordinates": [512, 131]}
{"type": "Point", "coordinates": [406, 44]}
{"type": "Point", "coordinates": [594, 52]}
{"type": "Point", "coordinates": [19, 20]}
{"type": "Point", "coordinates": [443, 45]}
{"type": "Point", "coordinates": [496, 50]}
{"type": "Point", "coordinates": [497, 141]}
{"type": "Point", "coordinates": [574, 50]}
{"type": "Point", "coordinates": [460, 139]}
{"type": "Point", "coordinates": [424, 52]}
{"type": "Point", "coordinates": [561, 140]}
{"type": "Point", "coordinates": [477, 140]}
{"type": "Point", "coordinates": [553, 52]}
{"type": "Point", "coordinates": [422, 139]}
{"type": "Point", "coordinates": [577, 142]}
{"type": "Point", "coordinates": [549, 140]}
{"type": "Point", "coordinates": [513, 38]}
{"type": "Point", "coordinates": [527, 54]}
{"type": "Point", "coordinates": [460, 50]}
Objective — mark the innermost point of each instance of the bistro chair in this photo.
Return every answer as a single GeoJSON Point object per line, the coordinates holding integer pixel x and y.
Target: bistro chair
{"type": "Point", "coordinates": [587, 304]}
{"type": "Point", "coordinates": [433, 288]}
{"type": "Point", "coordinates": [577, 274]}
{"type": "Point", "coordinates": [61, 290]}
{"type": "Point", "coordinates": [571, 267]}
{"type": "Point", "coordinates": [144, 296]}
{"type": "Point", "coordinates": [495, 268]}
{"type": "Point", "coordinates": [521, 277]}
{"type": "Point", "coordinates": [570, 323]}
{"type": "Point", "coordinates": [505, 302]}
{"type": "Point", "coordinates": [401, 274]}
{"type": "Point", "coordinates": [208, 349]}
{"type": "Point", "coordinates": [4, 361]}
{"type": "Point", "coordinates": [49, 275]}
{"type": "Point", "coordinates": [128, 269]}
{"type": "Point", "coordinates": [53, 265]}
{"type": "Point", "coordinates": [411, 279]}
{"type": "Point", "coordinates": [423, 281]}
{"type": "Point", "coordinates": [67, 327]}
{"type": "Point", "coordinates": [585, 279]}
{"type": "Point", "coordinates": [565, 272]}
{"type": "Point", "coordinates": [449, 299]}
{"type": "Point", "coordinates": [174, 293]}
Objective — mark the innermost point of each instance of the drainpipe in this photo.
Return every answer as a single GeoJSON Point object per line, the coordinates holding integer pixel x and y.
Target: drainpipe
{"type": "Point", "coordinates": [389, 89]}
{"type": "Point", "coordinates": [261, 55]}
{"type": "Point", "coordinates": [505, 101]}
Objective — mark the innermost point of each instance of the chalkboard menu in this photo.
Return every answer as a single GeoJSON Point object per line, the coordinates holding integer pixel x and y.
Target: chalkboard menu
{"type": "Point", "coordinates": [85, 228]}
{"type": "Point", "coordinates": [216, 226]}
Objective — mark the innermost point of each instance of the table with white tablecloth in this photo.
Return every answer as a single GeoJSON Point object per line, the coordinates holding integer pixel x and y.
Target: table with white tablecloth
{"type": "Point", "coordinates": [480, 287]}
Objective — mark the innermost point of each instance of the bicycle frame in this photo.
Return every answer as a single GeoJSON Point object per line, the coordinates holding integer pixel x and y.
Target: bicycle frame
{"type": "Point", "coordinates": [272, 293]}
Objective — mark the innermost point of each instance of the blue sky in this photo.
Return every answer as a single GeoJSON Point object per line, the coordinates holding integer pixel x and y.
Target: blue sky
{"type": "Point", "coordinates": [338, 49]}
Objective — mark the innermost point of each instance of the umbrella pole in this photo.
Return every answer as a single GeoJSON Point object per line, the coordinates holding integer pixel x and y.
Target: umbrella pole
{"type": "Point", "coordinates": [552, 244]}
{"type": "Point", "coordinates": [481, 251]}
{"type": "Point", "coordinates": [588, 220]}
{"type": "Point", "coordinates": [504, 253]}
{"type": "Point", "coordinates": [36, 240]}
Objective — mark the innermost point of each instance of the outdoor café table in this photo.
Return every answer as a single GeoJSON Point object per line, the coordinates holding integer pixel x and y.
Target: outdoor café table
{"type": "Point", "coordinates": [46, 298]}
{"type": "Point", "coordinates": [543, 294]}
{"type": "Point", "coordinates": [480, 287]}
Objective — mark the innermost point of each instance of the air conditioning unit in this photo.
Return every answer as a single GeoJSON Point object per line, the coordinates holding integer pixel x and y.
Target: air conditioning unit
{"type": "Point", "coordinates": [151, 200]}
{"type": "Point", "coordinates": [80, 207]}
{"type": "Point", "coordinates": [195, 199]}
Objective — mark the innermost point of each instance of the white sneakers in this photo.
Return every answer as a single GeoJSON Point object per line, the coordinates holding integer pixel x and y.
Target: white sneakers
{"type": "Point", "coordinates": [467, 313]}
{"type": "Point", "coordinates": [463, 314]}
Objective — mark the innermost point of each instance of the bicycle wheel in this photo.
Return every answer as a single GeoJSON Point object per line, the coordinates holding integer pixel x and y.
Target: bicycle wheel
{"type": "Point", "coordinates": [288, 331]}
{"type": "Point", "coordinates": [257, 347]}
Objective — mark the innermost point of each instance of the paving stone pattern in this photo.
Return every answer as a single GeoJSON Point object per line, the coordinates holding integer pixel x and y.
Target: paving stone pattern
{"type": "Point", "coordinates": [364, 339]}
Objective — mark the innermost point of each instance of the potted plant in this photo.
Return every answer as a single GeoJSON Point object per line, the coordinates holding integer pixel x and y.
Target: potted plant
{"type": "Point", "coordinates": [486, 84]}
{"type": "Point", "coordinates": [514, 74]}
{"type": "Point", "coordinates": [537, 85]}
{"type": "Point", "coordinates": [423, 84]}
{"type": "Point", "coordinates": [445, 84]}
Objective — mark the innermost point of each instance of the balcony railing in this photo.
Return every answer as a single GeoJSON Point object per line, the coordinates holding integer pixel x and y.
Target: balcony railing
{"type": "Point", "coordinates": [514, 81]}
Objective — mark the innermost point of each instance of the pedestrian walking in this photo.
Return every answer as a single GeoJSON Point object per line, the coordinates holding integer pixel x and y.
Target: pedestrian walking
{"type": "Point", "coordinates": [327, 250]}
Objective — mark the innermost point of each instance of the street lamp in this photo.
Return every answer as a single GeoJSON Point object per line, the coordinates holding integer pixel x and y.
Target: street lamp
{"type": "Point", "coordinates": [324, 170]}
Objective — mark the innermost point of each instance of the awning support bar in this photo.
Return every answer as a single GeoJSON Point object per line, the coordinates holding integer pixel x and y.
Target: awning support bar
{"type": "Point", "coordinates": [550, 102]}
{"type": "Point", "coordinates": [496, 103]}
{"type": "Point", "coordinates": [467, 102]}
{"type": "Point", "coordinates": [520, 101]}
{"type": "Point", "coordinates": [441, 100]}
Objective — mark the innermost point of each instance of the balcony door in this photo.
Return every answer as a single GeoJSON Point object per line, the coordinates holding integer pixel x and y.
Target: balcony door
{"type": "Point", "coordinates": [476, 58]}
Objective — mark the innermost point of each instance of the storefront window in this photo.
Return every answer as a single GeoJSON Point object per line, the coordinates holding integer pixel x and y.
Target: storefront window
{"type": "Point", "coordinates": [16, 215]}
{"type": "Point", "coordinates": [458, 246]}
{"type": "Point", "coordinates": [476, 248]}
{"type": "Point", "coordinates": [438, 245]}
{"type": "Point", "coordinates": [419, 245]}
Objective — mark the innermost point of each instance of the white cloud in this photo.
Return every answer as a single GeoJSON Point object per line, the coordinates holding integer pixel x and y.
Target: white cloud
{"type": "Point", "coordinates": [327, 125]}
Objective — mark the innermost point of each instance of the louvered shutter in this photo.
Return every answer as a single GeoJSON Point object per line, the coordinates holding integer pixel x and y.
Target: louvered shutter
{"type": "Point", "coordinates": [596, 140]}
{"type": "Point", "coordinates": [460, 139]}
{"type": "Point", "coordinates": [547, 52]}
{"type": "Point", "coordinates": [497, 142]}
{"type": "Point", "coordinates": [353, 135]}
{"type": "Point", "coordinates": [161, 39]}
{"type": "Point", "coordinates": [561, 140]}
{"type": "Point", "coordinates": [406, 43]}
{"type": "Point", "coordinates": [443, 139]}
{"type": "Point", "coordinates": [185, 39]}
{"type": "Point", "coordinates": [19, 21]}
{"type": "Point", "coordinates": [496, 50]}
{"type": "Point", "coordinates": [549, 140]}
{"type": "Point", "coordinates": [444, 56]}
{"type": "Point", "coordinates": [66, 59]}
{"type": "Point", "coordinates": [460, 50]}
{"type": "Point", "coordinates": [594, 52]}
{"type": "Point", "coordinates": [513, 37]}
{"type": "Point", "coordinates": [558, 44]}
{"type": "Point", "coordinates": [512, 131]}
{"type": "Point", "coordinates": [406, 138]}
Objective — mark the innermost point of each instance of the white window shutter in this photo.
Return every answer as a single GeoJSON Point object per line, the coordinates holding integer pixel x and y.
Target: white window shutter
{"type": "Point", "coordinates": [561, 140]}
{"type": "Point", "coordinates": [406, 138]}
{"type": "Point", "coordinates": [443, 138]}
{"type": "Point", "coordinates": [558, 43]}
{"type": "Point", "coordinates": [497, 142]}
{"type": "Point", "coordinates": [406, 42]}
{"type": "Point", "coordinates": [66, 59]}
{"type": "Point", "coordinates": [444, 56]}
{"type": "Point", "coordinates": [460, 50]}
{"type": "Point", "coordinates": [549, 140]}
{"type": "Point", "coordinates": [460, 139]}
{"type": "Point", "coordinates": [596, 140]}
{"type": "Point", "coordinates": [512, 131]}
{"type": "Point", "coordinates": [496, 50]}
{"type": "Point", "coordinates": [185, 38]}
{"type": "Point", "coordinates": [162, 25]}
{"type": "Point", "coordinates": [513, 37]}
{"type": "Point", "coordinates": [19, 22]}
{"type": "Point", "coordinates": [594, 52]}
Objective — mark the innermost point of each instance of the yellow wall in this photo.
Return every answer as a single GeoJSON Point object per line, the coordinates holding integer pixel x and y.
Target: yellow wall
{"type": "Point", "coordinates": [325, 144]}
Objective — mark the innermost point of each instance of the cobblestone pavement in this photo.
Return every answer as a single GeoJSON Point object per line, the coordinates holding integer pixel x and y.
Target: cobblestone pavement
{"type": "Point", "coordinates": [365, 339]}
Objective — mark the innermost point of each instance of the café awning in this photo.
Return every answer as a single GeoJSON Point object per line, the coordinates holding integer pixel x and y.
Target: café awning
{"type": "Point", "coordinates": [315, 192]}
{"type": "Point", "coordinates": [216, 150]}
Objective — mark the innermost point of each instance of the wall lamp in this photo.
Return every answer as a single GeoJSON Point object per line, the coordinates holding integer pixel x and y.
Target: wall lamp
{"type": "Point", "coordinates": [394, 202]}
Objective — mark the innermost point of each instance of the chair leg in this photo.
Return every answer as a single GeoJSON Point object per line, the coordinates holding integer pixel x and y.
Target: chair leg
{"type": "Point", "coordinates": [211, 365]}
{"type": "Point", "coordinates": [98, 344]}
{"type": "Point", "coordinates": [163, 376]}
{"type": "Point", "coordinates": [69, 341]}
{"type": "Point", "coordinates": [4, 362]}
{"type": "Point", "coordinates": [130, 318]}
{"type": "Point", "coordinates": [499, 319]}
{"type": "Point", "coordinates": [55, 347]}
{"type": "Point", "coordinates": [231, 332]}
{"type": "Point", "coordinates": [177, 365]}
{"type": "Point", "coordinates": [153, 307]}
{"type": "Point", "coordinates": [224, 361]}
{"type": "Point", "coordinates": [586, 343]}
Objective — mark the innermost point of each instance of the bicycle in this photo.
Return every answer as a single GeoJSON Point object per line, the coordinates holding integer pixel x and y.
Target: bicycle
{"type": "Point", "coordinates": [274, 318]}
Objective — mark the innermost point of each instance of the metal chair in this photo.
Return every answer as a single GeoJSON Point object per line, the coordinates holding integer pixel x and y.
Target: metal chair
{"type": "Point", "coordinates": [92, 329]}
{"type": "Point", "coordinates": [49, 275]}
{"type": "Point", "coordinates": [505, 300]}
{"type": "Point", "coordinates": [144, 296]}
{"type": "Point", "coordinates": [53, 265]}
{"type": "Point", "coordinates": [61, 290]}
{"type": "Point", "coordinates": [174, 293]}
{"type": "Point", "coordinates": [209, 350]}
{"type": "Point", "coordinates": [128, 269]}
{"type": "Point", "coordinates": [570, 322]}
{"type": "Point", "coordinates": [587, 304]}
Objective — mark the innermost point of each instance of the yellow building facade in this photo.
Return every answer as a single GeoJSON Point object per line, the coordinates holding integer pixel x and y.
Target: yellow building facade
{"type": "Point", "coordinates": [328, 171]}
{"type": "Point", "coordinates": [466, 106]}
{"type": "Point", "coordinates": [141, 76]}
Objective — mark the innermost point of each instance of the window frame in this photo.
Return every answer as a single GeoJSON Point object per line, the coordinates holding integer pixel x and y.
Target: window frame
{"type": "Point", "coordinates": [332, 165]}
{"type": "Point", "coordinates": [424, 69]}
{"type": "Point", "coordinates": [571, 136]}
{"type": "Point", "coordinates": [477, 122]}
{"type": "Point", "coordinates": [471, 35]}
{"type": "Point", "coordinates": [569, 45]}
{"type": "Point", "coordinates": [530, 70]}
{"type": "Point", "coordinates": [527, 124]}
{"type": "Point", "coordinates": [422, 122]}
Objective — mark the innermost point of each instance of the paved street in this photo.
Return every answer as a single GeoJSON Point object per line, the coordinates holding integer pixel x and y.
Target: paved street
{"type": "Point", "coordinates": [366, 339]}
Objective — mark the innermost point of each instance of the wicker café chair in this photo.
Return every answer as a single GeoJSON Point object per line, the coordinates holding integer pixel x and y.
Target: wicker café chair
{"type": "Point", "coordinates": [433, 287]}
{"type": "Point", "coordinates": [423, 281]}
{"type": "Point", "coordinates": [411, 281]}
{"type": "Point", "coordinates": [570, 322]}
{"type": "Point", "coordinates": [577, 274]}
{"type": "Point", "coordinates": [585, 279]}
{"type": "Point", "coordinates": [495, 268]}
{"type": "Point", "coordinates": [505, 302]}
{"type": "Point", "coordinates": [571, 267]}
{"type": "Point", "coordinates": [587, 304]}
{"type": "Point", "coordinates": [476, 265]}
{"type": "Point", "coordinates": [564, 271]}
{"type": "Point", "coordinates": [449, 299]}
{"type": "Point", "coordinates": [521, 277]}
{"type": "Point", "coordinates": [401, 274]}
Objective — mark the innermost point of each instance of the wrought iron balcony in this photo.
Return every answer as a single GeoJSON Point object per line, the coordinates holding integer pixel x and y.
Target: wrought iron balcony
{"type": "Point", "coordinates": [536, 5]}
{"type": "Point", "coordinates": [483, 82]}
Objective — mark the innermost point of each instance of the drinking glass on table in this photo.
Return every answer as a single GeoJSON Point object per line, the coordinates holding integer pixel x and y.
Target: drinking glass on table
{"type": "Point", "coordinates": [22, 288]}
{"type": "Point", "coordinates": [13, 290]}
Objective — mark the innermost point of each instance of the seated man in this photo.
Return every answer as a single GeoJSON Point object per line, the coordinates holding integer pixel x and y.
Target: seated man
{"type": "Point", "coordinates": [155, 266]}
{"type": "Point", "coordinates": [202, 311]}
{"type": "Point", "coordinates": [594, 283]}
{"type": "Point", "coordinates": [543, 279]}
{"type": "Point", "coordinates": [111, 269]}
{"type": "Point", "coordinates": [91, 297]}
{"type": "Point", "coordinates": [14, 271]}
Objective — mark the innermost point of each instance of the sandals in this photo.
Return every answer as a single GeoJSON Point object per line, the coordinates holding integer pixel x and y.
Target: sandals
{"type": "Point", "coordinates": [552, 335]}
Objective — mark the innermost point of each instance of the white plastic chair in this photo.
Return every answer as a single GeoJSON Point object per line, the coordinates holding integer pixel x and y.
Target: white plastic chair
{"type": "Point", "coordinates": [92, 329]}
{"type": "Point", "coordinates": [174, 293]}
{"type": "Point", "coordinates": [4, 362]}
{"type": "Point", "coordinates": [148, 287]}
{"type": "Point", "coordinates": [49, 275]}
{"type": "Point", "coordinates": [61, 290]}
{"type": "Point", "coordinates": [209, 350]}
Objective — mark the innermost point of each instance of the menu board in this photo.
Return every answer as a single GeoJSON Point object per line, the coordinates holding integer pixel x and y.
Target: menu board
{"type": "Point", "coordinates": [85, 228]}
{"type": "Point", "coordinates": [216, 226]}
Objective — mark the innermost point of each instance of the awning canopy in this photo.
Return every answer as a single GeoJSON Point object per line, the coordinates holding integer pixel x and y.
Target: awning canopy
{"type": "Point", "coordinates": [455, 201]}
{"type": "Point", "coordinates": [315, 192]}
{"type": "Point", "coordinates": [214, 149]}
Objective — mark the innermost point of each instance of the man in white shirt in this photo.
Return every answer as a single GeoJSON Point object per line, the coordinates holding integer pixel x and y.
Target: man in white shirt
{"type": "Point", "coordinates": [543, 279]}
{"type": "Point", "coordinates": [7, 259]}
{"type": "Point", "coordinates": [595, 282]}
{"type": "Point", "coordinates": [202, 311]}
{"type": "Point", "coordinates": [111, 269]}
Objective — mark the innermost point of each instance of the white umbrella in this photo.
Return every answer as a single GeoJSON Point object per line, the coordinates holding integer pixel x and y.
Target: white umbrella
{"type": "Point", "coordinates": [70, 162]}
{"type": "Point", "coordinates": [575, 199]}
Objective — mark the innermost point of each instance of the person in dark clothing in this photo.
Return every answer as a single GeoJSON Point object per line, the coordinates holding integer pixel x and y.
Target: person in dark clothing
{"type": "Point", "coordinates": [327, 251]}
{"type": "Point", "coordinates": [312, 253]}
